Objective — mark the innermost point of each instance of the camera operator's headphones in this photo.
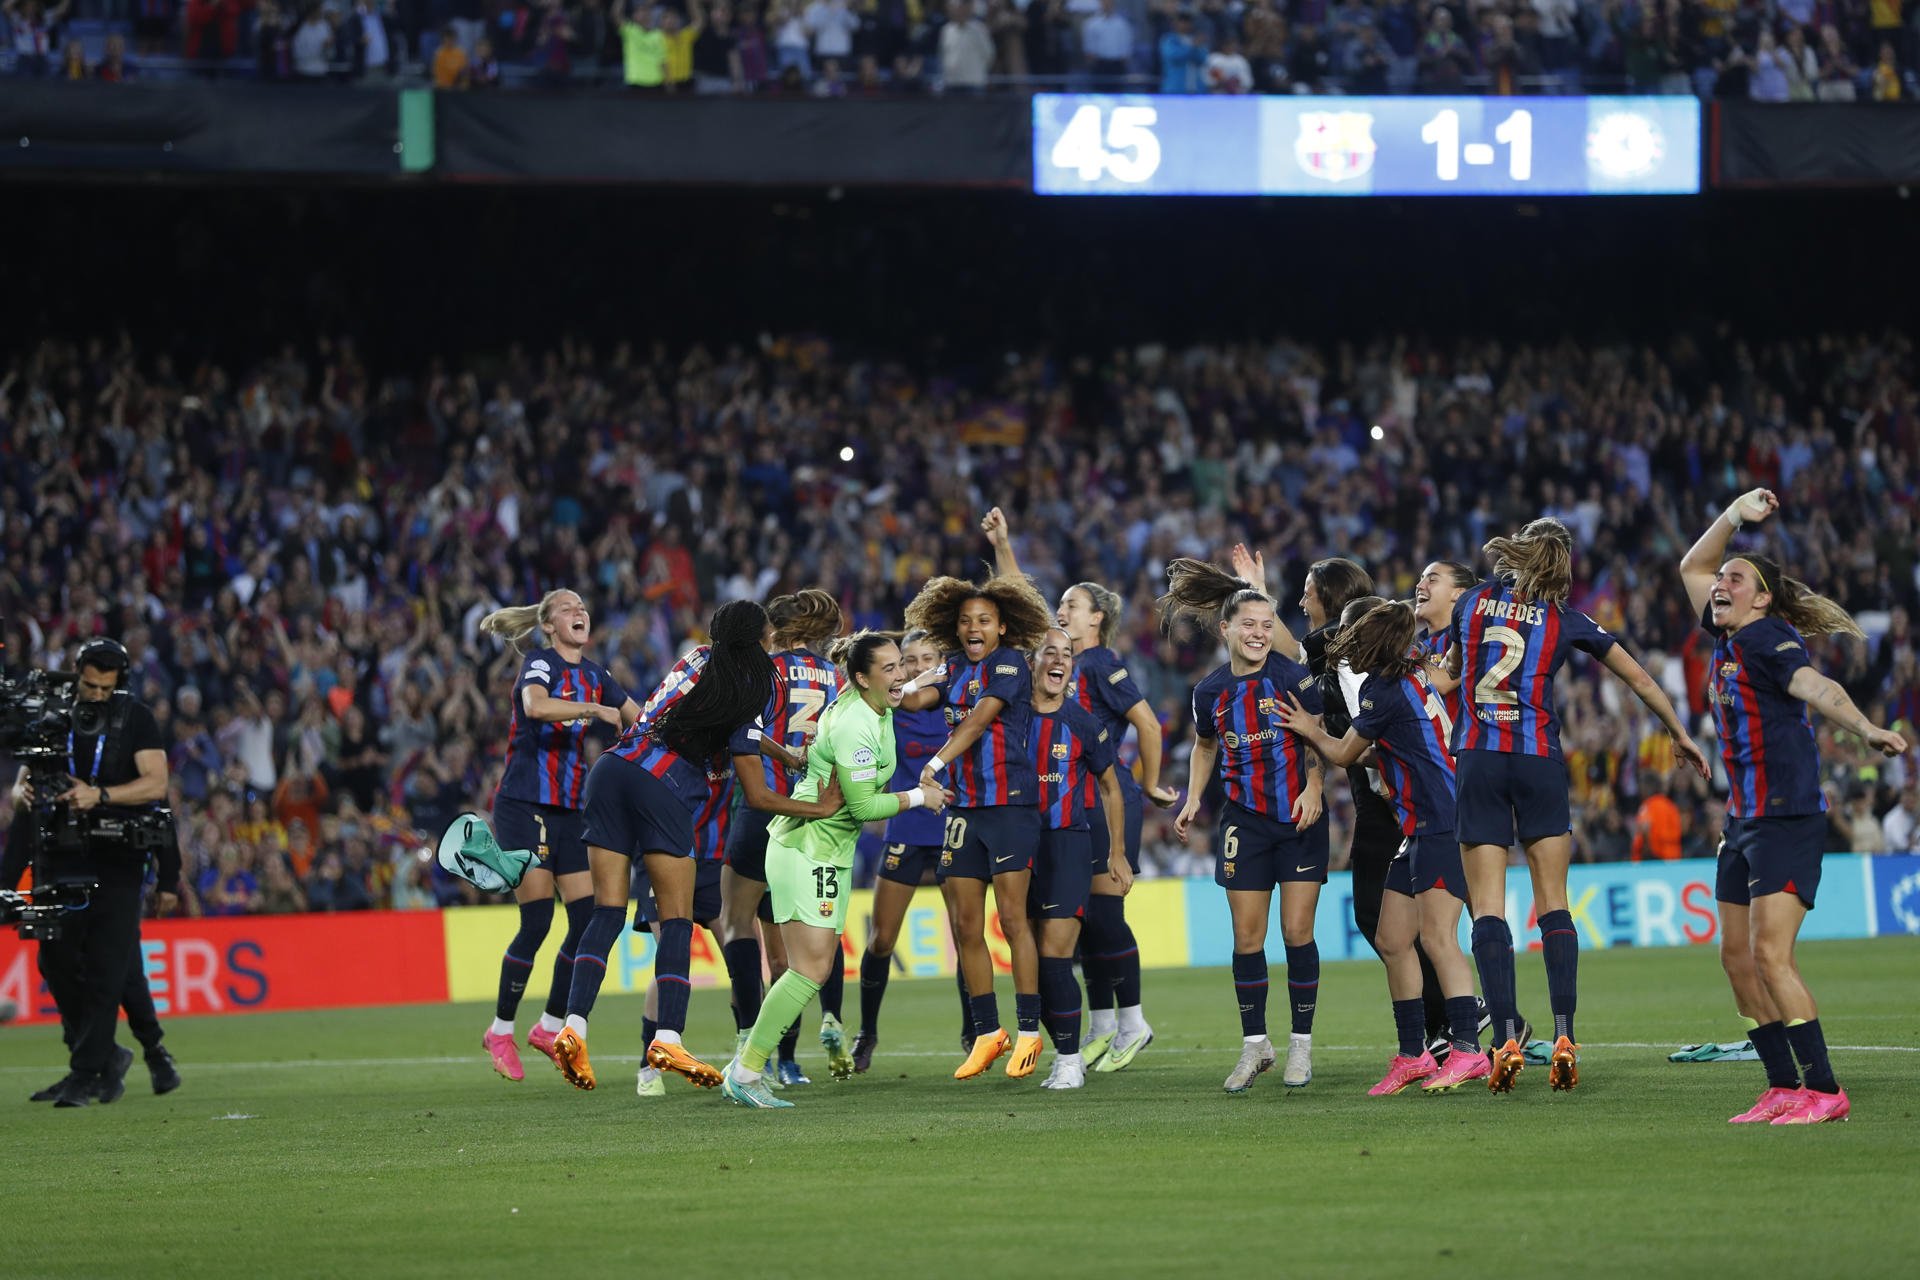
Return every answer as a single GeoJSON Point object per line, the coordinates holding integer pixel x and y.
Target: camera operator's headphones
{"type": "Point", "coordinates": [106, 654]}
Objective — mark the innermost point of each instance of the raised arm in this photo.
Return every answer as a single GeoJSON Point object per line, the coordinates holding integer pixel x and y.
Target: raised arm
{"type": "Point", "coordinates": [1701, 565]}
{"type": "Point", "coordinates": [1635, 677]}
{"type": "Point", "coordinates": [1825, 695]}
{"type": "Point", "coordinates": [1146, 727]}
{"type": "Point", "coordinates": [994, 525]}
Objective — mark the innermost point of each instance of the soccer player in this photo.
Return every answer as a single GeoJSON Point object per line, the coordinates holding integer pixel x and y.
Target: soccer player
{"type": "Point", "coordinates": [1402, 720]}
{"type": "Point", "coordinates": [560, 692]}
{"type": "Point", "coordinates": [805, 686]}
{"type": "Point", "coordinates": [641, 798]}
{"type": "Point", "coordinates": [912, 856]}
{"type": "Point", "coordinates": [709, 849]}
{"type": "Point", "coordinates": [1110, 958]}
{"type": "Point", "coordinates": [810, 863]}
{"type": "Point", "coordinates": [1441, 583]}
{"type": "Point", "coordinates": [1509, 636]}
{"type": "Point", "coordinates": [1762, 683]}
{"type": "Point", "coordinates": [1070, 750]}
{"type": "Point", "coordinates": [1272, 829]}
{"type": "Point", "coordinates": [994, 830]}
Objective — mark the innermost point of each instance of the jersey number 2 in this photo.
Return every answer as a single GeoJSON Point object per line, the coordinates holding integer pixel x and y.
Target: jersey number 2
{"type": "Point", "coordinates": [1492, 686]}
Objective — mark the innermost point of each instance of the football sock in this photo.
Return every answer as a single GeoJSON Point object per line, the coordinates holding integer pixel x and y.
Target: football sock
{"type": "Point", "coordinates": [548, 1022]}
{"type": "Point", "coordinates": [672, 970]}
{"type": "Point", "coordinates": [1026, 1012]}
{"type": "Point", "coordinates": [590, 962]}
{"type": "Point", "coordinates": [1250, 985]}
{"type": "Point", "coordinates": [1776, 1055]}
{"type": "Point", "coordinates": [874, 972]}
{"type": "Point", "coordinates": [1409, 1023]}
{"type": "Point", "coordinates": [500, 1027]}
{"type": "Point", "coordinates": [535, 919]}
{"type": "Point", "coordinates": [743, 972]}
{"type": "Point", "coordinates": [986, 1014]}
{"type": "Point", "coordinates": [1493, 956]}
{"type": "Point", "coordinates": [834, 989]}
{"type": "Point", "coordinates": [968, 1028]}
{"type": "Point", "coordinates": [579, 913]}
{"type": "Point", "coordinates": [1131, 1021]}
{"type": "Point", "coordinates": [1303, 985]}
{"type": "Point", "coordinates": [1093, 971]}
{"type": "Point", "coordinates": [785, 1002]}
{"type": "Point", "coordinates": [1463, 1019]}
{"type": "Point", "coordinates": [1060, 997]}
{"type": "Point", "coordinates": [1433, 1000]}
{"type": "Point", "coordinates": [648, 1030]}
{"type": "Point", "coordinates": [1561, 946]}
{"type": "Point", "coordinates": [1118, 956]}
{"type": "Point", "coordinates": [1810, 1047]}
{"type": "Point", "coordinates": [1102, 1022]}
{"type": "Point", "coordinates": [790, 1041]}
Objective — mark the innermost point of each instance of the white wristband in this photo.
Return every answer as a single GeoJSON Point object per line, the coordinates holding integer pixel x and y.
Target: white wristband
{"type": "Point", "coordinates": [914, 799]}
{"type": "Point", "coordinates": [1732, 514]}
{"type": "Point", "coordinates": [936, 764]}
{"type": "Point", "coordinates": [910, 687]}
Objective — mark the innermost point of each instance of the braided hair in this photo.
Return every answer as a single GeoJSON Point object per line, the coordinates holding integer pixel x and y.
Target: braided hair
{"type": "Point", "coordinates": [733, 688]}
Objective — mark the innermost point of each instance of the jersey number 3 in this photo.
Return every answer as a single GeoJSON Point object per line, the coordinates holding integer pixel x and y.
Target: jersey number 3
{"type": "Point", "coordinates": [1492, 687]}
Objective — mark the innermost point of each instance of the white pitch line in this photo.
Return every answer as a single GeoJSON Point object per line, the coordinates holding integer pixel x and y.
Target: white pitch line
{"type": "Point", "coordinates": [341, 1064]}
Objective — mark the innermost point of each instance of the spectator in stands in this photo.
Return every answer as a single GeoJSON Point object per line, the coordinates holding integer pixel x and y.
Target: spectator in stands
{"type": "Point", "coordinates": [1445, 60]}
{"type": "Point", "coordinates": [1106, 38]}
{"type": "Point", "coordinates": [1837, 69]}
{"type": "Point", "coordinates": [273, 45]}
{"type": "Point", "coordinates": [1182, 54]}
{"type": "Point", "coordinates": [333, 887]}
{"type": "Point", "coordinates": [1508, 62]}
{"type": "Point", "coordinates": [1656, 828]}
{"type": "Point", "coordinates": [1309, 61]}
{"type": "Point", "coordinates": [370, 37]}
{"type": "Point", "coordinates": [213, 29]}
{"type": "Point", "coordinates": [679, 38]}
{"type": "Point", "coordinates": [553, 46]}
{"type": "Point", "coordinates": [1886, 72]}
{"type": "Point", "coordinates": [73, 61]}
{"type": "Point", "coordinates": [280, 893]}
{"type": "Point", "coordinates": [1008, 27]}
{"type": "Point", "coordinates": [1367, 64]}
{"type": "Point", "coordinates": [717, 67]}
{"type": "Point", "coordinates": [831, 24]}
{"type": "Point", "coordinates": [313, 45]}
{"type": "Point", "coordinates": [966, 49]}
{"type": "Point", "coordinates": [1864, 834]}
{"type": "Point", "coordinates": [114, 67]}
{"type": "Point", "coordinates": [1900, 829]}
{"type": "Point", "coordinates": [1771, 78]}
{"type": "Point", "coordinates": [1802, 68]}
{"type": "Point", "coordinates": [1266, 45]}
{"type": "Point", "coordinates": [792, 47]}
{"type": "Point", "coordinates": [1228, 70]}
{"type": "Point", "coordinates": [483, 72]}
{"type": "Point", "coordinates": [35, 32]}
{"type": "Point", "coordinates": [643, 47]}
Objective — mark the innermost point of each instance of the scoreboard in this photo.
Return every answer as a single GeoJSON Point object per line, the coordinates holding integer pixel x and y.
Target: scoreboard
{"type": "Point", "coordinates": [1135, 144]}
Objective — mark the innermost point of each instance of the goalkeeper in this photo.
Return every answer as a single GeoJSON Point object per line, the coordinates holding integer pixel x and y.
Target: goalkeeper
{"type": "Point", "coordinates": [810, 861]}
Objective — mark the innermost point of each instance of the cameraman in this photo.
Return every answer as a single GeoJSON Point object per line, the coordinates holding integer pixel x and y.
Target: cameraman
{"type": "Point", "coordinates": [119, 769]}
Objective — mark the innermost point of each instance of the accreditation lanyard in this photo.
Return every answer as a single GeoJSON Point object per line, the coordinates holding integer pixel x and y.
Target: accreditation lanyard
{"type": "Point", "coordinates": [99, 750]}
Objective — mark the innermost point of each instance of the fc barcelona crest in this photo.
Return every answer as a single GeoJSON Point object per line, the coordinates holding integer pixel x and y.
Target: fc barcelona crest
{"type": "Point", "coordinates": [1335, 145]}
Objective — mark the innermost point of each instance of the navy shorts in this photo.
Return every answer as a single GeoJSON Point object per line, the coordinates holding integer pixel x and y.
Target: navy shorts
{"type": "Point", "coordinates": [706, 893]}
{"type": "Point", "coordinates": [1430, 861]}
{"type": "Point", "coordinates": [554, 834]}
{"type": "Point", "coordinates": [1134, 798]}
{"type": "Point", "coordinates": [992, 840]}
{"type": "Point", "coordinates": [1499, 793]}
{"type": "Point", "coordinates": [1759, 856]}
{"type": "Point", "coordinates": [632, 812]}
{"type": "Point", "coordinates": [1257, 853]}
{"type": "Point", "coordinates": [909, 863]}
{"type": "Point", "coordinates": [1062, 875]}
{"type": "Point", "coordinates": [747, 843]}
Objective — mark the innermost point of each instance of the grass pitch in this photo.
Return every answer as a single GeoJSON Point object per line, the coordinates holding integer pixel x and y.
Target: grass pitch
{"type": "Point", "coordinates": [379, 1143]}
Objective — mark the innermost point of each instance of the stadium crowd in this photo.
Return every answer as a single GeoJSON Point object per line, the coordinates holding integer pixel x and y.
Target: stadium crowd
{"type": "Point", "coordinates": [1768, 50]}
{"type": "Point", "coordinates": [297, 551]}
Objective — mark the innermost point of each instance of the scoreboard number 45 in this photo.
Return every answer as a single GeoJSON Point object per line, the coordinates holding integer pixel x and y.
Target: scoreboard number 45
{"type": "Point", "coordinates": [1126, 149]}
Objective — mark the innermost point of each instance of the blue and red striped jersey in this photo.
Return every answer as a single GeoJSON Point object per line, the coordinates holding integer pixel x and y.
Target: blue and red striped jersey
{"type": "Point", "coordinates": [1070, 750]}
{"type": "Point", "coordinates": [546, 762]}
{"type": "Point", "coordinates": [998, 769]}
{"type": "Point", "coordinates": [1766, 735]}
{"type": "Point", "coordinates": [917, 735]}
{"type": "Point", "coordinates": [1102, 685]}
{"type": "Point", "coordinates": [639, 745]}
{"type": "Point", "coordinates": [1404, 719]}
{"type": "Point", "coordinates": [1262, 765]}
{"type": "Point", "coordinates": [1438, 645]}
{"type": "Point", "coordinates": [711, 820]}
{"type": "Point", "coordinates": [805, 684]}
{"type": "Point", "coordinates": [1511, 648]}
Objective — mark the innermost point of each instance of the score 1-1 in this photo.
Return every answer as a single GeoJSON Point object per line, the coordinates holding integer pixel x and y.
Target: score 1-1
{"type": "Point", "coordinates": [1130, 151]}
{"type": "Point", "coordinates": [1443, 133]}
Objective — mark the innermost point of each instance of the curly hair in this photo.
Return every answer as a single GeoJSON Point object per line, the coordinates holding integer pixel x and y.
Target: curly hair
{"type": "Point", "coordinates": [1206, 593]}
{"type": "Point", "coordinates": [1798, 605]}
{"type": "Point", "coordinates": [1538, 559]}
{"type": "Point", "coordinates": [804, 620]}
{"type": "Point", "coordinates": [733, 688]}
{"type": "Point", "coordinates": [1023, 612]}
{"type": "Point", "coordinates": [1380, 643]}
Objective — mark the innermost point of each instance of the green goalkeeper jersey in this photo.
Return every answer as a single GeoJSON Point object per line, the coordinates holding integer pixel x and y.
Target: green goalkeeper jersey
{"type": "Point", "coordinates": [857, 741]}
